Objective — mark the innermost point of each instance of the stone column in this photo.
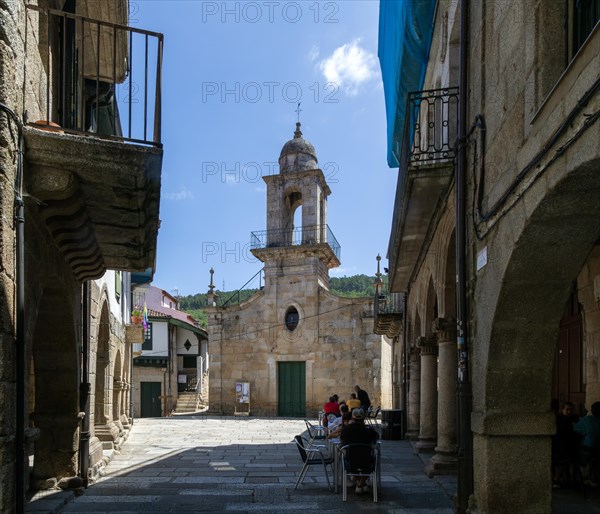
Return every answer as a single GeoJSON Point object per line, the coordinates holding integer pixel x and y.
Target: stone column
{"type": "Point", "coordinates": [444, 460]}
{"type": "Point", "coordinates": [414, 393]}
{"type": "Point", "coordinates": [428, 410]}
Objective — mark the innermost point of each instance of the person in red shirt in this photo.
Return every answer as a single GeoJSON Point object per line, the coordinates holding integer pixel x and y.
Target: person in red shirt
{"type": "Point", "coordinates": [331, 407]}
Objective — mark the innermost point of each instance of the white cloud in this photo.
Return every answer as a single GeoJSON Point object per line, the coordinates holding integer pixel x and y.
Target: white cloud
{"type": "Point", "coordinates": [184, 194]}
{"type": "Point", "coordinates": [343, 271]}
{"type": "Point", "coordinates": [313, 54]}
{"type": "Point", "coordinates": [350, 66]}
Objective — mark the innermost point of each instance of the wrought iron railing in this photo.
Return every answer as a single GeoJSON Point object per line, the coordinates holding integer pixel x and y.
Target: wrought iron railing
{"type": "Point", "coordinates": [307, 235]}
{"type": "Point", "coordinates": [98, 77]}
{"type": "Point", "coordinates": [389, 303]}
{"type": "Point", "coordinates": [431, 124]}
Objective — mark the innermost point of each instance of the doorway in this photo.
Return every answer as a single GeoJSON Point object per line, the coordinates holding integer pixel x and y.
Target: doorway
{"type": "Point", "coordinates": [150, 400]}
{"type": "Point", "coordinates": [291, 389]}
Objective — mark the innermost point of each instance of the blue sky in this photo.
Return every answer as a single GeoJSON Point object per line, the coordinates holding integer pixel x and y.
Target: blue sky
{"type": "Point", "coordinates": [233, 73]}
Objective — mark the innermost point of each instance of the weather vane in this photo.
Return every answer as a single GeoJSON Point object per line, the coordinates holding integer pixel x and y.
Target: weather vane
{"type": "Point", "coordinates": [298, 110]}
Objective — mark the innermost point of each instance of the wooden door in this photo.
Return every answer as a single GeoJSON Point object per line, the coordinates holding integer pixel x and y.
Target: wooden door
{"type": "Point", "coordinates": [291, 388]}
{"type": "Point", "coordinates": [568, 363]}
{"type": "Point", "coordinates": [150, 400]}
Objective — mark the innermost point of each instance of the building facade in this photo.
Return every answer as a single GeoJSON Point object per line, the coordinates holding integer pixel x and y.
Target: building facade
{"type": "Point", "coordinates": [294, 342]}
{"type": "Point", "coordinates": [493, 124]}
{"type": "Point", "coordinates": [80, 195]}
{"type": "Point", "coordinates": [170, 368]}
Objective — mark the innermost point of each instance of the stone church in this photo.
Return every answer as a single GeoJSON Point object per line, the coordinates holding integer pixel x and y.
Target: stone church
{"type": "Point", "coordinates": [294, 342]}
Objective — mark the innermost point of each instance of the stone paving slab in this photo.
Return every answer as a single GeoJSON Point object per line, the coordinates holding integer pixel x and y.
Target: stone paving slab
{"type": "Point", "coordinates": [192, 464]}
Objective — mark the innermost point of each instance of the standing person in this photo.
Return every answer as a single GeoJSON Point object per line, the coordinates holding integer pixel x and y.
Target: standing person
{"type": "Point", "coordinates": [362, 395]}
{"type": "Point", "coordinates": [359, 459]}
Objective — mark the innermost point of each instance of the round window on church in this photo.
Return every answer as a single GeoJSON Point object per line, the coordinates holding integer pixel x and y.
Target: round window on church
{"type": "Point", "coordinates": [292, 318]}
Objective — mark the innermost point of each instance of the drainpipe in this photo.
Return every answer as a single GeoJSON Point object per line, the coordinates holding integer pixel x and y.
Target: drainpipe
{"type": "Point", "coordinates": [464, 392]}
{"type": "Point", "coordinates": [404, 364]}
{"type": "Point", "coordinates": [20, 453]}
{"type": "Point", "coordinates": [85, 386]}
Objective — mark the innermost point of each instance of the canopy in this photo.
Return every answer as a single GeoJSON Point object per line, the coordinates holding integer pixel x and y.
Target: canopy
{"type": "Point", "coordinates": [405, 31]}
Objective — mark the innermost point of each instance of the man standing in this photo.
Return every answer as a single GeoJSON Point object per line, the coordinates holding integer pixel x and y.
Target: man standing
{"type": "Point", "coordinates": [362, 395]}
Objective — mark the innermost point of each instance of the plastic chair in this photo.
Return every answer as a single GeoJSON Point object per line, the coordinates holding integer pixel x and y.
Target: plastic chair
{"type": "Point", "coordinates": [348, 453]}
{"type": "Point", "coordinates": [312, 455]}
{"type": "Point", "coordinates": [315, 432]}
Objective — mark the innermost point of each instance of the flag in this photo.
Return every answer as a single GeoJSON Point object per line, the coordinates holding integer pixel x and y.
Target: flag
{"type": "Point", "coordinates": [145, 317]}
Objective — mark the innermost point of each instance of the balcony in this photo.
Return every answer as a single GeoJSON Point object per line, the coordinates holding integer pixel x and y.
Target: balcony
{"type": "Point", "coordinates": [316, 238]}
{"type": "Point", "coordinates": [424, 176]}
{"type": "Point", "coordinates": [94, 151]}
{"type": "Point", "coordinates": [389, 313]}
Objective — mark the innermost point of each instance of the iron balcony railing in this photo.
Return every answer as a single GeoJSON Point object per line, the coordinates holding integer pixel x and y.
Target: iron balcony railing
{"type": "Point", "coordinates": [307, 235]}
{"type": "Point", "coordinates": [389, 303]}
{"type": "Point", "coordinates": [431, 125]}
{"type": "Point", "coordinates": [99, 77]}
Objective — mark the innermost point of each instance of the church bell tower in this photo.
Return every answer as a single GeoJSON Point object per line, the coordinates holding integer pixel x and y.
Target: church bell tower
{"type": "Point", "coordinates": [297, 244]}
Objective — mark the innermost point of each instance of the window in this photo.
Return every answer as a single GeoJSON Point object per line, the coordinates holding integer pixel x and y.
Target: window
{"type": "Point", "coordinates": [292, 317]}
{"type": "Point", "coordinates": [118, 285]}
{"type": "Point", "coordinates": [189, 361]}
{"type": "Point", "coordinates": [147, 345]}
{"type": "Point", "coordinates": [584, 15]}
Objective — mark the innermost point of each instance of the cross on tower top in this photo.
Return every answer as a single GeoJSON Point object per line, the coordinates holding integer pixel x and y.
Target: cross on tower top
{"type": "Point", "coordinates": [298, 111]}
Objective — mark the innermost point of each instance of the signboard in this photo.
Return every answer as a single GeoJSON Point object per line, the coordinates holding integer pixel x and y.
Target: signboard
{"type": "Point", "coordinates": [242, 398]}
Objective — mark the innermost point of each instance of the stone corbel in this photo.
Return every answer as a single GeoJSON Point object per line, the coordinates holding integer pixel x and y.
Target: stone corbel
{"type": "Point", "coordinates": [428, 345]}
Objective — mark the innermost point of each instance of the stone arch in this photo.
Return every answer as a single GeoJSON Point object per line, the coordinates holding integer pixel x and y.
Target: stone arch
{"type": "Point", "coordinates": [431, 307]}
{"type": "Point", "coordinates": [513, 375]}
{"type": "Point", "coordinates": [101, 389]}
{"type": "Point", "coordinates": [118, 382]}
{"type": "Point", "coordinates": [55, 361]}
{"type": "Point", "coordinates": [449, 279]}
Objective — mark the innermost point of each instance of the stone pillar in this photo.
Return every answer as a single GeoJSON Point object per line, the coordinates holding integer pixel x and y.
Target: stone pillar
{"type": "Point", "coordinates": [414, 393]}
{"type": "Point", "coordinates": [444, 460]}
{"type": "Point", "coordinates": [428, 409]}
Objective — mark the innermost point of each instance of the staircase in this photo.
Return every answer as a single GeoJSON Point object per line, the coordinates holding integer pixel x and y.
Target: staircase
{"type": "Point", "coordinates": [187, 403]}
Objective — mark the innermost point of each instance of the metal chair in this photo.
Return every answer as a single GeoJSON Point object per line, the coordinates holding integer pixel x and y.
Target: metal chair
{"type": "Point", "coordinates": [312, 455]}
{"type": "Point", "coordinates": [315, 432]}
{"type": "Point", "coordinates": [372, 416]}
{"type": "Point", "coordinates": [355, 464]}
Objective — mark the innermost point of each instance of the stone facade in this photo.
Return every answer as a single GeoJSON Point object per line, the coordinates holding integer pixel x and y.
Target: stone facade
{"type": "Point", "coordinates": [532, 245]}
{"type": "Point", "coordinates": [333, 341]}
{"type": "Point", "coordinates": [67, 241]}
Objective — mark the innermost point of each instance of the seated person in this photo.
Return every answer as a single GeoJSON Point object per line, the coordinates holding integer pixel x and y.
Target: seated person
{"type": "Point", "coordinates": [589, 428]}
{"type": "Point", "coordinates": [336, 430]}
{"type": "Point", "coordinates": [334, 424]}
{"type": "Point", "coordinates": [359, 459]}
{"type": "Point", "coordinates": [565, 443]}
{"type": "Point", "coordinates": [331, 407]}
{"type": "Point", "coordinates": [353, 402]}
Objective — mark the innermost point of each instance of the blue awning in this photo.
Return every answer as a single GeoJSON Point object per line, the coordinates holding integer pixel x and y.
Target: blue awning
{"type": "Point", "coordinates": [405, 31]}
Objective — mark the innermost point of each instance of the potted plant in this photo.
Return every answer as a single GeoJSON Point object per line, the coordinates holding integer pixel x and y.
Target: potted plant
{"type": "Point", "coordinates": [136, 316]}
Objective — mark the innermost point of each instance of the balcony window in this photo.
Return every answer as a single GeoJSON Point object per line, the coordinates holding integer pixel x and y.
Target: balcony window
{"type": "Point", "coordinates": [583, 18]}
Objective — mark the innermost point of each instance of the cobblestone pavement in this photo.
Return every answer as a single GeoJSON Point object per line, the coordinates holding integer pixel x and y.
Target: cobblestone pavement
{"type": "Point", "coordinates": [214, 464]}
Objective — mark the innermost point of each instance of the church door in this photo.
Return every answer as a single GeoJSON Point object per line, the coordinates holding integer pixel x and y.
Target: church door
{"type": "Point", "coordinates": [291, 380]}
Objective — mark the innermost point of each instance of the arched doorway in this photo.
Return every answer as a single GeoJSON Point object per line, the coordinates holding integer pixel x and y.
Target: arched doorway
{"type": "Point", "coordinates": [513, 365]}
{"type": "Point", "coordinates": [55, 362]}
{"type": "Point", "coordinates": [101, 389]}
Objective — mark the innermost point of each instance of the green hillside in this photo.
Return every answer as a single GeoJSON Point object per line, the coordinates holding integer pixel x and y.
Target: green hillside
{"type": "Point", "coordinates": [355, 286]}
